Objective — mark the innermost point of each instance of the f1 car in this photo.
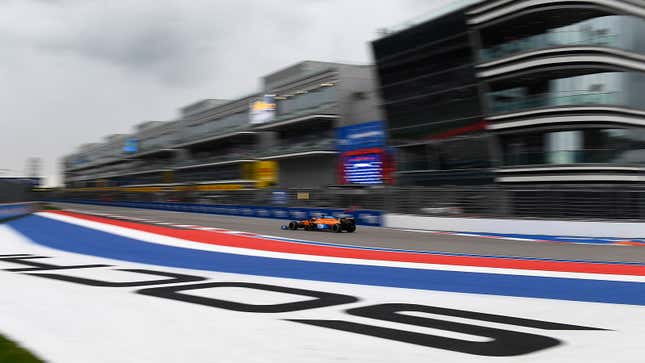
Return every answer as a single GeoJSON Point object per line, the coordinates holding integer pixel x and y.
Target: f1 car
{"type": "Point", "coordinates": [324, 223]}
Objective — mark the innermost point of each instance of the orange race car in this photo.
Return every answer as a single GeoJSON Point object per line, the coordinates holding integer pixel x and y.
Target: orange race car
{"type": "Point", "coordinates": [324, 223]}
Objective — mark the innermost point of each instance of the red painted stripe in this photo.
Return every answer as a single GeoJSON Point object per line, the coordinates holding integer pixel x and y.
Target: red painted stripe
{"type": "Point", "coordinates": [481, 125]}
{"type": "Point", "coordinates": [232, 240]}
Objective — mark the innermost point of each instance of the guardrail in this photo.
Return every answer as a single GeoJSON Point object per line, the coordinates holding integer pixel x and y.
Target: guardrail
{"type": "Point", "coordinates": [363, 217]}
{"type": "Point", "coordinates": [12, 210]}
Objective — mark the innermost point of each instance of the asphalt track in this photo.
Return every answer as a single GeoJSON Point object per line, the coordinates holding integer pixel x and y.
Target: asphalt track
{"type": "Point", "coordinates": [387, 238]}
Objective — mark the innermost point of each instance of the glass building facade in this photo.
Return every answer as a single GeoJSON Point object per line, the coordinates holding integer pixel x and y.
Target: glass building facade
{"type": "Point", "coordinates": [431, 92]}
{"type": "Point", "coordinates": [485, 90]}
{"type": "Point", "coordinates": [583, 146]}
{"type": "Point", "coordinates": [615, 31]}
{"type": "Point", "coordinates": [607, 88]}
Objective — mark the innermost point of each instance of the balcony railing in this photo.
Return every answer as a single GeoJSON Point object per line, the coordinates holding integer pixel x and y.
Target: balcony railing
{"type": "Point", "coordinates": [327, 108]}
{"type": "Point", "coordinates": [583, 156]}
{"type": "Point", "coordinates": [196, 134]}
{"type": "Point", "coordinates": [499, 103]}
{"type": "Point", "coordinates": [326, 144]}
{"type": "Point", "coordinates": [549, 40]}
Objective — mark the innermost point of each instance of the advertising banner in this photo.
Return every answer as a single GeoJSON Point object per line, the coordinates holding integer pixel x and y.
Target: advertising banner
{"type": "Point", "coordinates": [131, 146]}
{"type": "Point", "coordinates": [363, 169]}
{"type": "Point", "coordinates": [263, 110]}
{"type": "Point", "coordinates": [265, 173]}
{"type": "Point", "coordinates": [361, 136]}
{"type": "Point", "coordinates": [363, 217]}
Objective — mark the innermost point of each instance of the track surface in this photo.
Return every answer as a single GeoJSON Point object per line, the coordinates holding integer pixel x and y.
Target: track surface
{"type": "Point", "coordinates": [388, 238]}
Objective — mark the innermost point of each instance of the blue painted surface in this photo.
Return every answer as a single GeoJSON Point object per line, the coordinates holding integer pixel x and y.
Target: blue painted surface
{"type": "Point", "coordinates": [363, 217]}
{"type": "Point", "coordinates": [73, 238]}
{"type": "Point", "coordinates": [566, 239]}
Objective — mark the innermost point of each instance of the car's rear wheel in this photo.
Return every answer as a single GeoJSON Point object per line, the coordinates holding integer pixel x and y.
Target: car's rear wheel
{"type": "Point", "coordinates": [336, 228]}
{"type": "Point", "coordinates": [350, 227]}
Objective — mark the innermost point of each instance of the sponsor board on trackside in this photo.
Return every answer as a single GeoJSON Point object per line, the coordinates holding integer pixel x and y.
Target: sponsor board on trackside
{"type": "Point", "coordinates": [363, 217]}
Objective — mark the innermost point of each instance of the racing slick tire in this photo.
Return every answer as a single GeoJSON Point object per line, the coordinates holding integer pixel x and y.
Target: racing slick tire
{"type": "Point", "coordinates": [293, 226]}
{"type": "Point", "coordinates": [350, 227]}
{"type": "Point", "coordinates": [336, 228]}
{"type": "Point", "coordinates": [310, 227]}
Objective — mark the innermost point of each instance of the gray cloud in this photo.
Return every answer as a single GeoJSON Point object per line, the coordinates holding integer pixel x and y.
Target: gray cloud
{"type": "Point", "coordinates": [74, 71]}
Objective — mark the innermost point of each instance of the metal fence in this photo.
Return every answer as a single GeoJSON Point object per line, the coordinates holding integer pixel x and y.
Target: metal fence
{"type": "Point", "coordinates": [543, 203]}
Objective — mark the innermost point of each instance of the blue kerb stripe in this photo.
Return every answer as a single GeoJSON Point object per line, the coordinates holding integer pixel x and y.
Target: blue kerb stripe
{"type": "Point", "coordinates": [563, 239]}
{"type": "Point", "coordinates": [73, 238]}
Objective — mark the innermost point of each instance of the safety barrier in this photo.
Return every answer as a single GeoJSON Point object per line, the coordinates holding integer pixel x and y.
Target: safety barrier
{"type": "Point", "coordinates": [363, 217]}
{"type": "Point", "coordinates": [12, 210]}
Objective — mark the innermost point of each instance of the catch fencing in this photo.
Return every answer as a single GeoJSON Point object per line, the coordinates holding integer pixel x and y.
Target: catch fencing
{"type": "Point", "coordinates": [581, 203]}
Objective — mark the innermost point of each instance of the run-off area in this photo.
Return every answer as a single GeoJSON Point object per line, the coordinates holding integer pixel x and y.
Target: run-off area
{"type": "Point", "coordinates": [69, 307]}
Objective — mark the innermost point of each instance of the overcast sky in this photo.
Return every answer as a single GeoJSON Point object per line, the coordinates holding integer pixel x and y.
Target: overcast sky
{"type": "Point", "coordinates": [73, 71]}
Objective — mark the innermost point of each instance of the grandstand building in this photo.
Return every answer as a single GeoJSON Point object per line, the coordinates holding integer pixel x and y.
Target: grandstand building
{"type": "Point", "coordinates": [283, 135]}
{"type": "Point", "coordinates": [518, 93]}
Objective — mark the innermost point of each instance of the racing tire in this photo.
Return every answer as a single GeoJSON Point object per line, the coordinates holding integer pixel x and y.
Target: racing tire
{"type": "Point", "coordinates": [293, 226]}
{"type": "Point", "coordinates": [350, 228]}
{"type": "Point", "coordinates": [310, 227]}
{"type": "Point", "coordinates": [336, 228]}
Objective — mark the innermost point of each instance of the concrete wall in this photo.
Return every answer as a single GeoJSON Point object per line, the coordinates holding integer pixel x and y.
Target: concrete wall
{"type": "Point", "coordinates": [308, 171]}
{"type": "Point", "coordinates": [517, 226]}
{"type": "Point", "coordinates": [8, 211]}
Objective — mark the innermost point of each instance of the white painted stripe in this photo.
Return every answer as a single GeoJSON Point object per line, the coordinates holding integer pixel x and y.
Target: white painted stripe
{"type": "Point", "coordinates": [486, 7]}
{"type": "Point", "coordinates": [568, 168]}
{"type": "Point", "coordinates": [211, 229]}
{"type": "Point", "coordinates": [574, 177]}
{"type": "Point", "coordinates": [567, 109]}
{"type": "Point", "coordinates": [562, 49]}
{"type": "Point", "coordinates": [607, 59]}
{"type": "Point", "coordinates": [176, 242]}
{"type": "Point", "coordinates": [567, 119]}
{"type": "Point", "coordinates": [526, 4]}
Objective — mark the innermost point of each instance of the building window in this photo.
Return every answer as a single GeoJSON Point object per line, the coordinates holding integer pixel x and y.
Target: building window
{"type": "Point", "coordinates": [563, 147]}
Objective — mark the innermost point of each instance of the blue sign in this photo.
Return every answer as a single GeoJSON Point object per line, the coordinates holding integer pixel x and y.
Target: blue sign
{"type": "Point", "coordinates": [279, 197]}
{"type": "Point", "coordinates": [361, 136]}
{"type": "Point", "coordinates": [131, 146]}
{"type": "Point", "coordinates": [363, 169]}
